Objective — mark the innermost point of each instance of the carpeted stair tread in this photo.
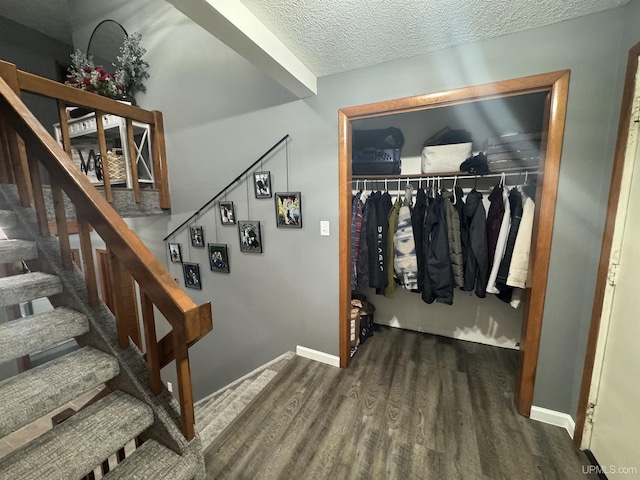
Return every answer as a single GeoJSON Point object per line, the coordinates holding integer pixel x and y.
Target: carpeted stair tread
{"type": "Point", "coordinates": [81, 443]}
{"type": "Point", "coordinates": [7, 219]}
{"type": "Point", "coordinates": [28, 286]}
{"type": "Point", "coordinates": [17, 250]}
{"type": "Point", "coordinates": [40, 332]}
{"type": "Point", "coordinates": [209, 432]}
{"type": "Point", "coordinates": [33, 393]}
{"type": "Point", "coordinates": [215, 410]}
{"type": "Point", "coordinates": [203, 409]}
{"type": "Point", "coordinates": [153, 461]}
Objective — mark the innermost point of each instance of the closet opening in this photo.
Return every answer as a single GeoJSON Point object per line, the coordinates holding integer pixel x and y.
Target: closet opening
{"type": "Point", "coordinates": [529, 104]}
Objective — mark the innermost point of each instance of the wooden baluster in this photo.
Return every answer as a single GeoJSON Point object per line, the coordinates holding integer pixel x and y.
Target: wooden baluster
{"type": "Point", "coordinates": [38, 195]}
{"type": "Point", "coordinates": [184, 380]}
{"type": "Point", "coordinates": [151, 342]}
{"type": "Point", "coordinates": [102, 142]}
{"type": "Point", "coordinates": [126, 311]}
{"type": "Point", "coordinates": [133, 160]}
{"type": "Point", "coordinates": [17, 152]}
{"type": "Point", "coordinates": [159, 153]}
{"type": "Point", "coordinates": [61, 223]}
{"type": "Point", "coordinates": [87, 258]}
{"type": "Point", "coordinates": [6, 172]}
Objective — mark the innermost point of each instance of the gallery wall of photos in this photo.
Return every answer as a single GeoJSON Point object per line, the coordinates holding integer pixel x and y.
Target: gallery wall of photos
{"type": "Point", "coordinates": [203, 228]}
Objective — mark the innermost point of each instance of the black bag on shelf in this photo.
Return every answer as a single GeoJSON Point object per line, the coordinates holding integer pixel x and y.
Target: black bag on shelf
{"type": "Point", "coordinates": [371, 161]}
{"type": "Point", "coordinates": [379, 139]}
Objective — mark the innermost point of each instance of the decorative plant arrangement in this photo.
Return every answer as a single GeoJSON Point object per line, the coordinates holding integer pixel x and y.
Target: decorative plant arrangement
{"type": "Point", "coordinates": [129, 76]}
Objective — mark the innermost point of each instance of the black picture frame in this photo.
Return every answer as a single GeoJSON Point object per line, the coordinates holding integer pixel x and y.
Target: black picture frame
{"type": "Point", "coordinates": [250, 236]}
{"type": "Point", "coordinates": [175, 253]}
{"type": "Point", "coordinates": [191, 273]}
{"type": "Point", "coordinates": [197, 236]}
{"type": "Point", "coordinates": [288, 209]}
{"type": "Point", "coordinates": [262, 184]}
{"type": "Point", "coordinates": [227, 213]}
{"type": "Point", "coordinates": [218, 257]}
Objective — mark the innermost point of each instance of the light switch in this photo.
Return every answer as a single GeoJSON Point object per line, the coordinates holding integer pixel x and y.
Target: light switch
{"type": "Point", "coordinates": [324, 228]}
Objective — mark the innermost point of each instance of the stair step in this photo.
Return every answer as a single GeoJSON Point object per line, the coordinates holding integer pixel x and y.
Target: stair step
{"type": "Point", "coordinates": [31, 394]}
{"type": "Point", "coordinates": [28, 286]}
{"type": "Point", "coordinates": [17, 251]}
{"type": "Point", "coordinates": [203, 410]}
{"type": "Point", "coordinates": [7, 219]}
{"type": "Point", "coordinates": [40, 332]}
{"type": "Point", "coordinates": [245, 395]}
{"type": "Point", "coordinates": [215, 410]}
{"type": "Point", "coordinates": [153, 461]}
{"type": "Point", "coordinates": [81, 443]}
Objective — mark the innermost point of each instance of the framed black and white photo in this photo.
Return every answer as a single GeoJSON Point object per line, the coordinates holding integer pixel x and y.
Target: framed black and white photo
{"type": "Point", "coordinates": [192, 275]}
{"type": "Point", "coordinates": [218, 257]}
{"type": "Point", "coordinates": [175, 252]}
{"type": "Point", "coordinates": [262, 184]}
{"type": "Point", "coordinates": [250, 238]}
{"type": "Point", "coordinates": [227, 215]}
{"type": "Point", "coordinates": [288, 209]}
{"type": "Point", "coordinates": [197, 236]}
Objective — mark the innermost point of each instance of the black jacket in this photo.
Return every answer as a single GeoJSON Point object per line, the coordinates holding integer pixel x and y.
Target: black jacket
{"type": "Point", "coordinates": [417, 223]}
{"type": "Point", "coordinates": [515, 202]}
{"type": "Point", "coordinates": [476, 268]}
{"type": "Point", "coordinates": [464, 227]}
{"type": "Point", "coordinates": [438, 275]}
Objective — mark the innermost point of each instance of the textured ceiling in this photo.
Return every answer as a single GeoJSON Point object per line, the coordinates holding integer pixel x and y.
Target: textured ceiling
{"type": "Point", "coordinates": [332, 36]}
{"type": "Point", "coordinates": [50, 17]}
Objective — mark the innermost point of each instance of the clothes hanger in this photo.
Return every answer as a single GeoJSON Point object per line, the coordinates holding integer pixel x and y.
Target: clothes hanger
{"type": "Point", "coordinates": [455, 183]}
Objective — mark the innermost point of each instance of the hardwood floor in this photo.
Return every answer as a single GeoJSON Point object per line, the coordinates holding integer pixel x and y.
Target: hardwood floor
{"type": "Point", "coordinates": [411, 406]}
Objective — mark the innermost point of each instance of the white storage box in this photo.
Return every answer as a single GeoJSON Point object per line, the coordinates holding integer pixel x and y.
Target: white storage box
{"type": "Point", "coordinates": [445, 158]}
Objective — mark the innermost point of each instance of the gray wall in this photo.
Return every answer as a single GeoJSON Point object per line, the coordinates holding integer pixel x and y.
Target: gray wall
{"type": "Point", "coordinates": [221, 113]}
{"type": "Point", "coordinates": [35, 53]}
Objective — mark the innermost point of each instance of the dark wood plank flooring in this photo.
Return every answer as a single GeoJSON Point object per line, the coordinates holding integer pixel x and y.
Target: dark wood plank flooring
{"type": "Point", "coordinates": [411, 406]}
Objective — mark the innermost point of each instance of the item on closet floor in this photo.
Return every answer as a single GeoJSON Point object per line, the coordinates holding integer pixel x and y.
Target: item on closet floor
{"type": "Point", "coordinates": [372, 161]}
{"type": "Point", "coordinates": [366, 321]}
{"type": "Point", "coordinates": [512, 151]}
{"type": "Point", "coordinates": [355, 324]}
{"type": "Point", "coordinates": [475, 164]}
{"type": "Point", "coordinates": [445, 158]}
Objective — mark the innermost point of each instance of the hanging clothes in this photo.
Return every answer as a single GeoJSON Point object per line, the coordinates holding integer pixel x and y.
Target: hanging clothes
{"type": "Point", "coordinates": [464, 227]}
{"type": "Point", "coordinates": [355, 239]}
{"type": "Point", "coordinates": [501, 243]}
{"type": "Point", "coordinates": [519, 268]}
{"type": "Point", "coordinates": [455, 239]}
{"type": "Point", "coordinates": [515, 203]}
{"type": "Point", "coordinates": [417, 223]}
{"type": "Point", "coordinates": [363, 248]}
{"type": "Point", "coordinates": [383, 207]}
{"type": "Point", "coordinates": [405, 260]}
{"type": "Point", "coordinates": [372, 233]}
{"type": "Point", "coordinates": [476, 269]}
{"type": "Point", "coordinates": [393, 225]}
{"type": "Point", "coordinates": [438, 275]}
{"type": "Point", "coordinates": [494, 219]}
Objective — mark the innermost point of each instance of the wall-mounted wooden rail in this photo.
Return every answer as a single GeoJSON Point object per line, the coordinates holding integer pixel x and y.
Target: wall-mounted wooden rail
{"type": "Point", "coordinates": [25, 146]}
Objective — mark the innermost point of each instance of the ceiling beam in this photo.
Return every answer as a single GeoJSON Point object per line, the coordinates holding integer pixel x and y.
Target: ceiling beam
{"type": "Point", "coordinates": [233, 24]}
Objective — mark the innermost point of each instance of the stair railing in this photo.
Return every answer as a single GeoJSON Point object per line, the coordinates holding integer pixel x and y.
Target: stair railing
{"type": "Point", "coordinates": [23, 137]}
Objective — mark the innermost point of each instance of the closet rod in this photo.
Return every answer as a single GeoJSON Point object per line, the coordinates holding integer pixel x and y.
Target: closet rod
{"type": "Point", "coordinates": [462, 176]}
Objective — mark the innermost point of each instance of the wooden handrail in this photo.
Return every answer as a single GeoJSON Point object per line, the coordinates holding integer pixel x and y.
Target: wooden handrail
{"type": "Point", "coordinates": [188, 320]}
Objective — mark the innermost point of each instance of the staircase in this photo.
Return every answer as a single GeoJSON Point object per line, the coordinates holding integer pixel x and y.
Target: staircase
{"type": "Point", "coordinates": [215, 412]}
{"type": "Point", "coordinates": [130, 411]}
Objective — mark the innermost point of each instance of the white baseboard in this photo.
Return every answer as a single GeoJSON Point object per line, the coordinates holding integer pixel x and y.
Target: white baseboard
{"type": "Point", "coordinates": [552, 417]}
{"type": "Point", "coordinates": [318, 356]}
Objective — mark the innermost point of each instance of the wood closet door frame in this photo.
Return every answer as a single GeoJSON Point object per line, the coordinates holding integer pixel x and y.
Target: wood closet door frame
{"type": "Point", "coordinates": [556, 84]}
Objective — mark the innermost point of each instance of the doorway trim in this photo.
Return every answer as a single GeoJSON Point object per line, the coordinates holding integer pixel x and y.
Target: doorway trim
{"type": "Point", "coordinates": [557, 86]}
{"type": "Point", "coordinates": [607, 239]}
